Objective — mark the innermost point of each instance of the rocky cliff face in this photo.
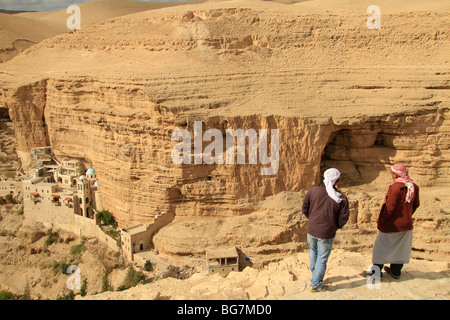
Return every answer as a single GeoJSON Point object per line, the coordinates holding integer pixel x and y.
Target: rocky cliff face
{"type": "Point", "coordinates": [127, 138]}
{"type": "Point", "coordinates": [339, 94]}
{"type": "Point", "coordinates": [9, 162]}
{"type": "Point", "coordinates": [365, 152]}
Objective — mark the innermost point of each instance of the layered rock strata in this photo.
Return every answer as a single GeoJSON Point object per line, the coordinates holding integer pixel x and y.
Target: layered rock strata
{"type": "Point", "coordinates": [127, 138]}
{"type": "Point", "coordinates": [340, 95]}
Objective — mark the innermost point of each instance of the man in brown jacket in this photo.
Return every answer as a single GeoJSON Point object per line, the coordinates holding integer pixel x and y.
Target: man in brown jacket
{"type": "Point", "coordinates": [395, 224]}
{"type": "Point", "coordinates": [327, 210]}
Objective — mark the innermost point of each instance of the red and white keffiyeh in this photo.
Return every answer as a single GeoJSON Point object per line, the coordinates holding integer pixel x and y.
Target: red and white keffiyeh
{"type": "Point", "coordinates": [402, 172]}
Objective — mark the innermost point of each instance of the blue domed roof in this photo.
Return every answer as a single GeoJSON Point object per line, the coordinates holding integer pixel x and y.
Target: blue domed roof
{"type": "Point", "coordinates": [82, 177]}
{"type": "Point", "coordinates": [90, 171]}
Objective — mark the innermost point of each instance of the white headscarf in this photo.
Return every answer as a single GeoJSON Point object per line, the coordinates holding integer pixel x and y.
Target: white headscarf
{"type": "Point", "coordinates": [330, 178]}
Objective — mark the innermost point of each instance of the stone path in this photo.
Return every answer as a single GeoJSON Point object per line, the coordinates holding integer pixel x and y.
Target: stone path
{"type": "Point", "coordinates": [412, 285]}
{"type": "Point", "coordinates": [420, 280]}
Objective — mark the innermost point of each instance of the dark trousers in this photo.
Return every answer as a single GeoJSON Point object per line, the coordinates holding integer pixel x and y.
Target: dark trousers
{"type": "Point", "coordinates": [396, 268]}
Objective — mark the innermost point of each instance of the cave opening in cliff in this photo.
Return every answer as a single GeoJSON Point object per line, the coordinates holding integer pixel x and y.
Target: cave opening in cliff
{"type": "Point", "coordinates": [362, 155]}
{"type": "Point", "coordinates": [4, 115]}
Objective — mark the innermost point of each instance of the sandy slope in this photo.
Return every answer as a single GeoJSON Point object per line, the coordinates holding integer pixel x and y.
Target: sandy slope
{"type": "Point", "coordinates": [329, 39]}
{"type": "Point", "coordinates": [386, 6]}
{"type": "Point", "coordinates": [20, 31]}
{"type": "Point", "coordinates": [98, 10]}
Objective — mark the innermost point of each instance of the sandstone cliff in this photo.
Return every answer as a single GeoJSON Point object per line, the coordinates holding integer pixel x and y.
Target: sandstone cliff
{"type": "Point", "coordinates": [9, 162]}
{"type": "Point", "coordinates": [341, 95]}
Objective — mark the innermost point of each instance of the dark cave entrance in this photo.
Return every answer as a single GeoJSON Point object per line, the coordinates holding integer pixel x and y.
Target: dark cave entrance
{"type": "Point", "coordinates": [362, 155]}
{"type": "Point", "coordinates": [4, 115]}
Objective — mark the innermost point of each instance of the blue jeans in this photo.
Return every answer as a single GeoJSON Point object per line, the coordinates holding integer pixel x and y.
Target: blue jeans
{"type": "Point", "coordinates": [319, 251]}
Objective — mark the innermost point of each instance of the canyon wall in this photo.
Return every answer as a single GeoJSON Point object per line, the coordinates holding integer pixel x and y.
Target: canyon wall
{"type": "Point", "coordinates": [9, 163]}
{"type": "Point", "coordinates": [365, 152]}
{"type": "Point", "coordinates": [126, 137]}
{"type": "Point", "coordinates": [340, 95]}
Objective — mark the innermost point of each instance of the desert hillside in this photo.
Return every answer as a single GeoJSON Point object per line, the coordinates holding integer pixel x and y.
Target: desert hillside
{"type": "Point", "coordinates": [340, 95]}
{"type": "Point", "coordinates": [37, 257]}
{"type": "Point", "coordinates": [22, 30]}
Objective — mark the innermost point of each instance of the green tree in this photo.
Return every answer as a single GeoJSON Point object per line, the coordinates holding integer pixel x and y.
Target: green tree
{"type": "Point", "coordinates": [27, 291]}
{"type": "Point", "coordinates": [107, 218]}
{"type": "Point", "coordinates": [148, 266]}
{"type": "Point", "coordinates": [83, 289]}
{"type": "Point", "coordinates": [133, 278]}
{"type": "Point", "coordinates": [106, 285]}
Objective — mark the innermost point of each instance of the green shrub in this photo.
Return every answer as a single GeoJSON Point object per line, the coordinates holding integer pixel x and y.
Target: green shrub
{"type": "Point", "coordinates": [6, 295]}
{"type": "Point", "coordinates": [61, 266]}
{"type": "Point", "coordinates": [52, 238]}
{"type": "Point", "coordinates": [148, 266]}
{"type": "Point", "coordinates": [77, 249]}
{"type": "Point", "coordinates": [132, 279]}
{"type": "Point", "coordinates": [105, 217]}
{"type": "Point", "coordinates": [83, 289]}
{"type": "Point", "coordinates": [68, 296]}
{"type": "Point", "coordinates": [8, 198]}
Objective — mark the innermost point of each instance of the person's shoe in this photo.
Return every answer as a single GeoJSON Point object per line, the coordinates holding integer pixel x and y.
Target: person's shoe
{"type": "Point", "coordinates": [320, 288]}
{"type": "Point", "coordinates": [389, 271]}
